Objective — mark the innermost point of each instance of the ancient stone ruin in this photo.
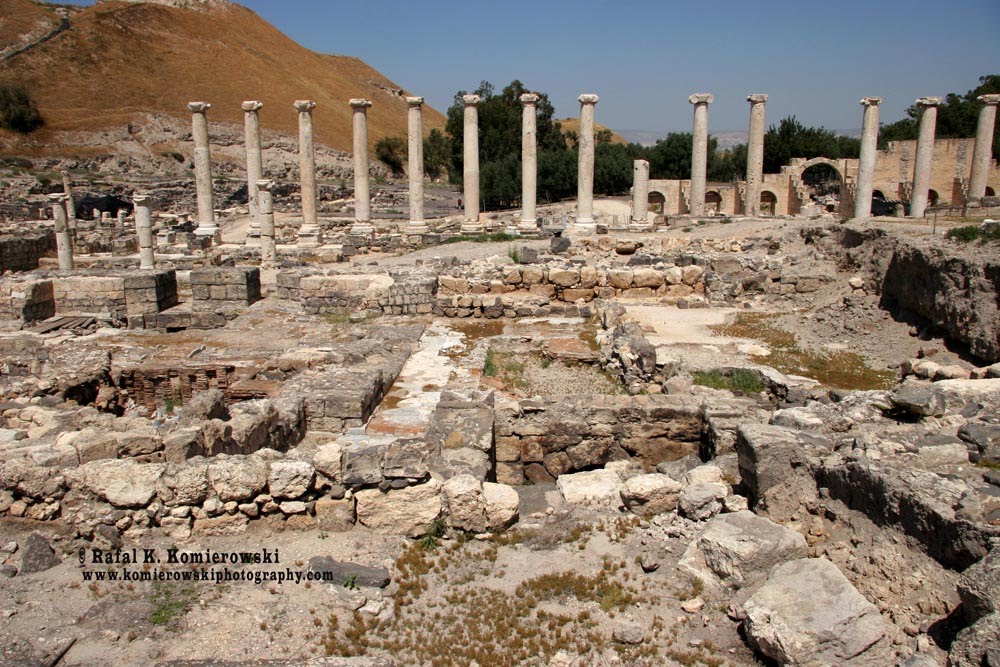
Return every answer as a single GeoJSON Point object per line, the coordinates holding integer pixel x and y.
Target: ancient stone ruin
{"type": "Point", "coordinates": [613, 435]}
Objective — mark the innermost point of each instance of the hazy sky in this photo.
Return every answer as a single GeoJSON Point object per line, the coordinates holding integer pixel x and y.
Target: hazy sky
{"type": "Point", "coordinates": [815, 60]}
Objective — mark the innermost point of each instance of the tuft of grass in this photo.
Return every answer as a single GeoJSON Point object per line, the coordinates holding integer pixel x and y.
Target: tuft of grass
{"type": "Point", "coordinates": [490, 368]}
{"type": "Point", "coordinates": [170, 603]}
{"type": "Point", "coordinates": [514, 253]}
{"type": "Point", "coordinates": [741, 380]}
{"type": "Point", "coordinates": [499, 237]}
{"type": "Point", "coordinates": [970, 233]}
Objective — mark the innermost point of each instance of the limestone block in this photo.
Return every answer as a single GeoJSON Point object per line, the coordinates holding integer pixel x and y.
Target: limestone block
{"type": "Point", "coordinates": [502, 505]}
{"type": "Point", "coordinates": [595, 488]}
{"type": "Point", "coordinates": [289, 479]}
{"type": "Point", "coordinates": [183, 484]}
{"type": "Point", "coordinates": [702, 501]}
{"type": "Point", "coordinates": [653, 493]}
{"type": "Point", "coordinates": [464, 503]}
{"type": "Point", "coordinates": [410, 511]}
{"type": "Point", "coordinates": [238, 478]}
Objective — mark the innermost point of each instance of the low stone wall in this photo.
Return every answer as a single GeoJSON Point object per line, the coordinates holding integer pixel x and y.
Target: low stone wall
{"type": "Point", "coordinates": [341, 294]}
{"type": "Point", "coordinates": [226, 290]}
{"type": "Point", "coordinates": [27, 301]}
{"type": "Point", "coordinates": [537, 439]}
{"type": "Point", "coordinates": [22, 252]}
{"type": "Point", "coordinates": [155, 387]}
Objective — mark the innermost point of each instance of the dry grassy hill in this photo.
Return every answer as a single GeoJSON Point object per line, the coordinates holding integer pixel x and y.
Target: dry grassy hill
{"type": "Point", "coordinates": [123, 58]}
{"type": "Point", "coordinates": [573, 125]}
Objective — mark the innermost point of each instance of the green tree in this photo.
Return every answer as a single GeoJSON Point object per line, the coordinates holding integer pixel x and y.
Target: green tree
{"type": "Point", "coordinates": [436, 154]}
{"type": "Point", "coordinates": [18, 111]}
{"type": "Point", "coordinates": [957, 118]}
{"type": "Point", "coordinates": [392, 151]}
{"type": "Point", "coordinates": [792, 139]}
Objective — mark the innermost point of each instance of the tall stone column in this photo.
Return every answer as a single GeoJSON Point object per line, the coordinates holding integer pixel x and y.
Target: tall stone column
{"type": "Point", "coordinates": [64, 243]}
{"type": "Point", "coordinates": [470, 164]}
{"type": "Point", "coordinates": [70, 207]}
{"type": "Point", "coordinates": [982, 153]}
{"type": "Point", "coordinates": [362, 195]}
{"type": "Point", "coordinates": [144, 229]}
{"type": "Point", "coordinates": [309, 235]}
{"type": "Point", "coordinates": [925, 155]}
{"type": "Point", "coordinates": [267, 250]}
{"type": "Point", "coordinates": [415, 164]}
{"type": "Point", "coordinates": [866, 166]}
{"type": "Point", "coordinates": [529, 163]}
{"type": "Point", "coordinates": [203, 171]}
{"type": "Point", "coordinates": [255, 165]}
{"type": "Point", "coordinates": [699, 152]}
{"type": "Point", "coordinates": [640, 197]}
{"type": "Point", "coordinates": [755, 154]}
{"type": "Point", "coordinates": [585, 164]}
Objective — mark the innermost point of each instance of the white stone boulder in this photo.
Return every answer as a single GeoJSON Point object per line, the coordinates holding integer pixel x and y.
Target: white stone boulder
{"type": "Point", "coordinates": [593, 488]}
{"type": "Point", "coordinates": [653, 493]}
{"type": "Point", "coordinates": [327, 460]}
{"type": "Point", "coordinates": [502, 505]}
{"type": "Point", "coordinates": [238, 478]}
{"type": "Point", "coordinates": [123, 483]}
{"type": "Point", "coordinates": [183, 484]}
{"type": "Point", "coordinates": [464, 503]}
{"type": "Point", "coordinates": [809, 614]}
{"type": "Point", "coordinates": [703, 501]}
{"type": "Point", "coordinates": [289, 479]}
{"type": "Point", "coordinates": [410, 511]}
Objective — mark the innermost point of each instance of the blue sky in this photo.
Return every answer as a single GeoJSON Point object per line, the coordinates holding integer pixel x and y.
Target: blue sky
{"type": "Point", "coordinates": [816, 60]}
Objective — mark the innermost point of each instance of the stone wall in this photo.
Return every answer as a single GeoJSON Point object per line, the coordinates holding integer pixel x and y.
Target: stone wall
{"type": "Point", "coordinates": [27, 300]}
{"type": "Point", "coordinates": [149, 293]}
{"type": "Point", "coordinates": [22, 252]}
{"type": "Point", "coordinates": [224, 290]}
{"type": "Point", "coordinates": [342, 294]}
{"type": "Point", "coordinates": [155, 387]}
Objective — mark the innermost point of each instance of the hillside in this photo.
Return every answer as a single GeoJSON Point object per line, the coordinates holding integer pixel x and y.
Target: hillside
{"type": "Point", "coordinates": [573, 125]}
{"type": "Point", "coordinates": [119, 59]}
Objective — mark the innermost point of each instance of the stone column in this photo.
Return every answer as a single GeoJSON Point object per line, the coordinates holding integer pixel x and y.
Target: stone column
{"type": "Point", "coordinates": [70, 207]}
{"type": "Point", "coordinates": [415, 164]}
{"type": "Point", "coordinates": [925, 155]}
{"type": "Point", "coordinates": [203, 171]}
{"type": "Point", "coordinates": [585, 164]}
{"type": "Point", "coordinates": [144, 230]}
{"type": "Point", "coordinates": [866, 163]}
{"type": "Point", "coordinates": [470, 165]}
{"type": "Point", "coordinates": [309, 235]}
{"type": "Point", "coordinates": [982, 153]}
{"type": "Point", "coordinates": [267, 250]}
{"type": "Point", "coordinates": [362, 195]}
{"type": "Point", "coordinates": [529, 163]}
{"type": "Point", "coordinates": [255, 165]}
{"type": "Point", "coordinates": [699, 152]}
{"type": "Point", "coordinates": [755, 154]}
{"type": "Point", "coordinates": [64, 243]}
{"type": "Point", "coordinates": [640, 197]}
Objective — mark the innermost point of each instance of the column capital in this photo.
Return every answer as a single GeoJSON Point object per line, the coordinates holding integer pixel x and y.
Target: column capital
{"type": "Point", "coordinates": [701, 98]}
{"type": "Point", "coordinates": [415, 101]}
{"type": "Point", "coordinates": [757, 98]}
{"type": "Point", "coordinates": [265, 185]}
{"type": "Point", "coordinates": [871, 101]}
{"type": "Point", "coordinates": [63, 172]}
{"type": "Point", "coordinates": [991, 100]}
{"type": "Point", "coordinates": [927, 101]}
{"type": "Point", "coordinates": [470, 100]}
{"type": "Point", "coordinates": [57, 197]}
{"type": "Point", "coordinates": [304, 106]}
{"type": "Point", "coordinates": [141, 198]}
{"type": "Point", "coordinates": [252, 105]}
{"type": "Point", "coordinates": [588, 98]}
{"type": "Point", "coordinates": [359, 103]}
{"type": "Point", "coordinates": [199, 107]}
{"type": "Point", "coordinates": [528, 99]}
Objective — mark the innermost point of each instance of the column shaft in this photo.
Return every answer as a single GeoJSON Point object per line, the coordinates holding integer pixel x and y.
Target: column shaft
{"type": "Point", "coordinates": [203, 171]}
{"type": "Point", "coordinates": [267, 249]}
{"type": "Point", "coordinates": [309, 231]}
{"type": "Point", "coordinates": [70, 206]}
{"type": "Point", "coordinates": [144, 230]}
{"type": "Point", "coordinates": [755, 155]}
{"type": "Point", "coordinates": [982, 153]}
{"type": "Point", "coordinates": [699, 152]}
{"type": "Point", "coordinates": [64, 243]}
{"type": "Point", "coordinates": [866, 163]}
{"type": "Point", "coordinates": [470, 164]}
{"type": "Point", "coordinates": [255, 165]}
{"type": "Point", "coordinates": [640, 196]}
{"type": "Point", "coordinates": [529, 162]}
{"type": "Point", "coordinates": [415, 164]}
{"type": "Point", "coordinates": [585, 163]}
{"type": "Point", "coordinates": [925, 155]}
{"type": "Point", "coordinates": [362, 194]}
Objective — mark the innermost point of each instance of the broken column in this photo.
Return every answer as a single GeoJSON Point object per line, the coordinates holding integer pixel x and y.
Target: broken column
{"type": "Point", "coordinates": [866, 163]}
{"type": "Point", "coordinates": [982, 152]}
{"type": "Point", "coordinates": [415, 165]}
{"type": "Point", "coordinates": [267, 250]}
{"type": "Point", "coordinates": [309, 235]}
{"type": "Point", "coordinates": [699, 152]}
{"type": "Point", "coordinates": [144, 230]}
{"type": "Point", "coordinates": [255, 165]}
{"type": "Point", "coordinates": [203, 172]}
{"type": "Point", "coordinates": [585, 166]}
{"type": "Point", "coordinates": [529, 163]}
{"type": "Point", "coordinates": [70, 207]}
{"type": "Point", "coordinates": [362, 195]}
{"type": "Point", "coordinates": [925, 154]}
{"type": "Point", "coordinates": [640, 197]}
{"type": "Point", "coordinates": [470, 165]}
{"type": "Point", "coordinates": [755, 154]}
{"type": "Point", "coordinates": [64, 243]}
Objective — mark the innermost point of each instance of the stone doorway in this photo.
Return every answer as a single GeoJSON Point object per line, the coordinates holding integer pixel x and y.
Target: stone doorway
{"type": "Point", "coordinates": [768, 203]}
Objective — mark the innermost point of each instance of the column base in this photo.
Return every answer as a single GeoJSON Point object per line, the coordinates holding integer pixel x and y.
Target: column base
{"type": "Point", "coordinates": [209, 232]}
{"type": "Point", "coordinates": [416, 227]}
{"type": "Point", "coordinates": [585, 224]}
{"type": "Point", "coordinates": [640, 225]}
{"type": "Point", "coordinates": [309, 237]}
{"type": "Point", "coordinates": [362, 229]}
{"type": "Point", "coordinates": [528, 226]}
{"type": "Point", "coordinates": [472, 227]}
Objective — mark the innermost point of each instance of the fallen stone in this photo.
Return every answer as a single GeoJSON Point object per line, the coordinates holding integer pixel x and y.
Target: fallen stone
{"type": "Point", "coordinates": [702, 501]}
{"type": "Point", "coordinates": [37, 555]}
{"type": "Point", "coordinates": [502, 503]}
{"type": "Point", "coordinates": [653, 493]}
{"type": "Point", "coordinates": [629, 632]}
{"type": "Point", "coordinates": [289, 479]}
{"type": "Point", "coordinates": [411, 511]}
{"type": "Point", "coordinates": [594, 488]}
{"type": "Point", "coordinates": [918, 399]}
{"type": "Point", "coordinates": [342, 573]}
{"type": "Point", "coordinates": [464, 504]}
{"type": "Point", "coordinates": [122, 483]}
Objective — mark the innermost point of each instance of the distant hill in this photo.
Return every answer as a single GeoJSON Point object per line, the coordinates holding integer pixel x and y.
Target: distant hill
{"type": "Point", "coordinates": [118, 59]}
{"type": "Point", "coordinates": [573, 125]}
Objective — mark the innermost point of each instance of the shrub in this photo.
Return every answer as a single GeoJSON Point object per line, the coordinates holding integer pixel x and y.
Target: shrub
{"type": "Point", "coordinates": [18, 112]}
{"type": "Point", "coordinates": [740, 380]}
{"type": "Point", "coordinates": [392, 151]}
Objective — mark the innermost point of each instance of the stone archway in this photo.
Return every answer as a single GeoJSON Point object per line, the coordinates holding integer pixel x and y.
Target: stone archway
{"type": "Point", "coordinates": [768, 203]}
{"type": "Point", "coordinates": [657, 202]}
{"type": "Point", "coordinates": [803, 192]}
{"type": "Point", "coordinates": [990, 192]}
{"type": "Point", "coordinates": [713, 202]}
{"type": "Point", "coordinates": [933, 197]}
